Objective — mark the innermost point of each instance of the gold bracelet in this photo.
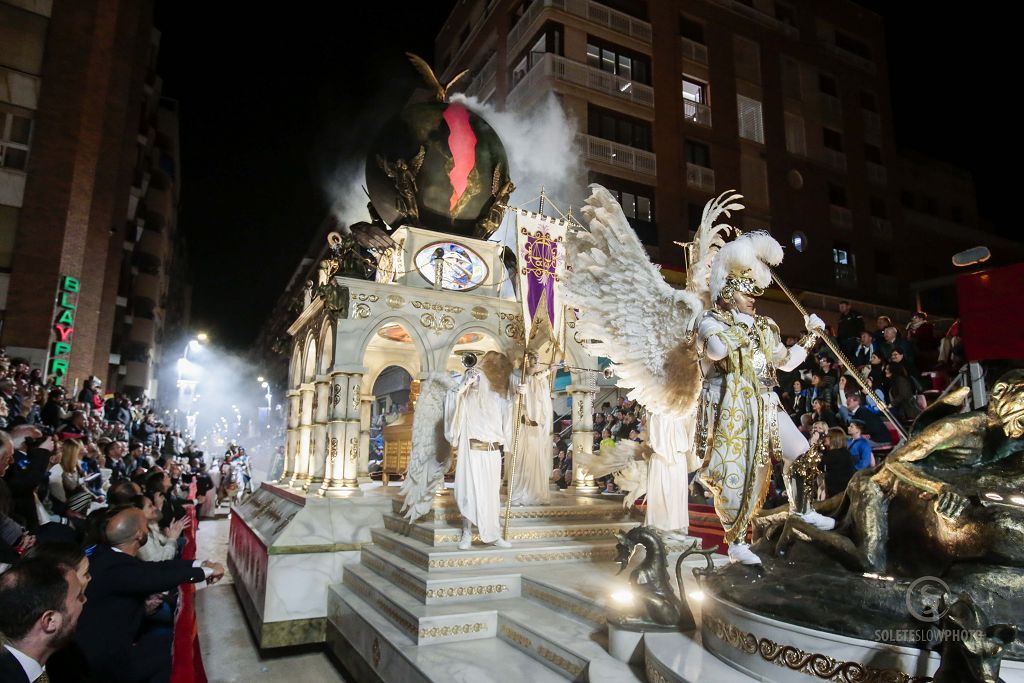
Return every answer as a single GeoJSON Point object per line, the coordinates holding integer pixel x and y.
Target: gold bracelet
{"type": "Point", "coordinates": [808, 341]}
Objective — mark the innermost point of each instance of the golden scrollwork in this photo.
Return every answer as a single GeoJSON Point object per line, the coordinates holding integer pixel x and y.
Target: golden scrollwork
{"type": "Point", "coordinates": [561, 662]}
{"type": "Point", "coordinates": [375, 652]}
{"type": "Point", "coordinates": [466, 562]}
{"type": "Point", "coordinates": [441, 308]}
{"type": "Point", "coordinates": [654, 675]}
{"type": "Point", "coordinates": [479, 312]}
{"type": "Point", "coordinates": [394, 301]}
{"type": "Point", "coordinates": [438, 324]}
{"type": "Point", "coordinates": [372, 298]}
{"type": "Point", "coordinates": [355, 396]}
{"type": "Point", "coordinates": [353, 451]}
{"type": "Point", "coordinates": [596, 616]}
{"type": "Point", "coordinates": [333, 450]}
{"type": "Point", "coordinates": [464, 591]}
{"type": "Point", "coordinates": [337, 394]}
{"type": "Point", "coordinates": [516, 637]}
{"type": "Point", "coordinates": [361, 311]}
{"type": "Point", "coordinates": [595, 555]}
{"type": "Point", "coordinates": [514, 317]}
{"type": "Point", "coordinates": [514, 331]}
{"type": "Point", "coordinates": [454, 630]}
{"type": "Point", "coordinates": [383, 607]}
{"type": "Point", "coordinates": [810, 663]}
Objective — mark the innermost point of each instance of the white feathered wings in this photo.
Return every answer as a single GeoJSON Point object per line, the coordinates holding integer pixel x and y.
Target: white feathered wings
{"type": "Point", "coordinates": [430, 454]}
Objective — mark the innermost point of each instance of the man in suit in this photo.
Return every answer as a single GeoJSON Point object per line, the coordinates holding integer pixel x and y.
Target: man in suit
{"type": "Point", "coordinates": [866, 347]}
{"type": "Point", "coordinates": [40, 603]}
{"type": "Point", "coordinates": [871, 424]}
{"type": "Point", "coordinates": [109, 633]}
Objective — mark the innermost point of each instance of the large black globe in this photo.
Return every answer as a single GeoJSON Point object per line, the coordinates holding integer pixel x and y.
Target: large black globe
{"type": "Point", "coordinates": [445, 155]}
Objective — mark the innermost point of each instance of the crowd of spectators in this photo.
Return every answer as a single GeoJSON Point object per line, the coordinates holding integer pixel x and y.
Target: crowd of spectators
{"type": "Point", "coordinates": [94, 501]}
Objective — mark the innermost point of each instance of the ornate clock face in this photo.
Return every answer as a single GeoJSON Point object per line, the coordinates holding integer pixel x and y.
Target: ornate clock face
{"type": "Point", "coordinates": [461, 268]}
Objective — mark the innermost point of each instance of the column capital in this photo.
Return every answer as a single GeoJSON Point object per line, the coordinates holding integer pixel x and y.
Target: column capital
{"type": "Point", "coordinates": [348, 369]}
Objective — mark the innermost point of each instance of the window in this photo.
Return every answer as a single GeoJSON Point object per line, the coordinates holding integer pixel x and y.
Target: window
{"type": "Point", "coordinates": [751, 122]}
{"type": "Point", "coordinates": [873, 154]}
{"type": "Point", "coordinates": [836, 195]}
{"type": "Point", "coordinates": [791, 78]}
{"type": "Point", "coordinates": [520, 70]}
{"type": "Point", "coordinates": [748, 59]}
{"type": "Point", "coordinates": [841, 254]}
{"type": "Point", "coordinates": [832, 139]}
{"type": "Point", "coordinates": [799, 241]}
{"type": "Point", "coordinates": [637, 203]}
{"type": "Point", "coordinates": [796, 136]}
{"type": "Point", "coordinates": [827, 85]}
{"type": "Point", "coordinates": [855, 46]}
{"type": "Point", "coordinates": [697, 153]}
{"type": "Point", "coordinates": [868, 101]}
{"type": "Point", "coordinates": [616, 127]}
{"type": "Point", "coordinates": [691, 30]}
{"type": "Point", "coordinates": [695, 100]}
{"type": "Point", "coordinates": [15, 133]}
{"type": "Point", "coordinates": [22, 39]}
{"type": "Point", "coordinates": [617, 61]}
{"type": "Point", "coordinates": [878, 209]}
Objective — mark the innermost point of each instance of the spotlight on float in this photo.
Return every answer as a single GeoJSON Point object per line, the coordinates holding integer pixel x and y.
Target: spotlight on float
{"type": "Point", "coordinates": [608, 372]}
{"type": "Point", "coordinates": [972, 256]}
{"type": "Point", "coordinates": [623, 597]}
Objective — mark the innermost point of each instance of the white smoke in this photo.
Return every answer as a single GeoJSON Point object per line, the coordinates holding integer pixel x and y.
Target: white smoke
{"type": "Point", "coordinates": [344, 190]}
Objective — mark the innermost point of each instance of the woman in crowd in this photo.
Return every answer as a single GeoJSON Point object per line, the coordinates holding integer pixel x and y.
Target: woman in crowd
{"type": "Point", "coordinates": [72, 483]}
{"type": "Point", "coordinates": [836, 462]}
{"type": "Point", "coordinates": [877, 371]}
{"type": "Point", "coordinates": [162, 544]}
{"type": "Point", "coordinates": [801, 402]}
{"type": "Point", "coordinates": [902, 398]}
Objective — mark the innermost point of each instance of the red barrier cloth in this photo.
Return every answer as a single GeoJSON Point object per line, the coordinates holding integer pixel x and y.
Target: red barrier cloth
{"type": "Point", "coordinates": [990, 319]}
{"type": "Point", "coordinates": [187, 659]}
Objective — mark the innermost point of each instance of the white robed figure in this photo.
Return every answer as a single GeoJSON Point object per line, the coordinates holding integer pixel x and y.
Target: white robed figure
{"type": "Point", "coordinates": [671, 439]}
{"type": "Point", "coordinates": [477, 421]}
{"type": "Point", "coordinates": [533, 460]}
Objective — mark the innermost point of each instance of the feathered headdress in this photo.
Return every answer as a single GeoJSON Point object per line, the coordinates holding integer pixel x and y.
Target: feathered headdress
{"type": "Point", "coordinates": [744, 265]}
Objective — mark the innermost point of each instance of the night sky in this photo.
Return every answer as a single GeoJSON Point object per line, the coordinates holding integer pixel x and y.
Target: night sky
{"type": "Point", "coordinates": [271, 101]}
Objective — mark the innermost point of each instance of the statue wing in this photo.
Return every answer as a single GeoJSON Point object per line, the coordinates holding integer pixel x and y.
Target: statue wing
{"type": "Point", "coordinates": [950, 404]}
{"type": "Point", "coordinates": [452, 82]}
{"type": "Point", "coordinates": [417, 161]}
{"type": "Point", "coordinates": [628, 313]}
{"type": "Point", "coordinates": [385, 166]}
{"type": "Point", "coordinates": [430, 454]}
{"type": "Point", "coordinates": [428, 75]}
{"type": "Point", "coordinates": [627, 460]}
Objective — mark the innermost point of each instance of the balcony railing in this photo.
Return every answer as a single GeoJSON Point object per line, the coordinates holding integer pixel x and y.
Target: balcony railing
{"type": "Point", "coordinates": [877, 173]}
{"type": "Point", "coordinates": [759, 17]}
{"type": "Point", "coordinates": [698, 113]}
{"type": "Point", "coordinates": [881, 228]}
{"type": "Point", "coordinates": [831, 157]}
{"type": "Point", "coordinates": [849, 57]}
{"type": "Point", "coordinates": [582, 75]}
{"type": "Point", "coordinates": [615, 154]}
{"type": "Point", "coordinates": [694, 51]}
{"type": "Point", "coordinates": [840, 217]}
{"type": "Point", "coordinates": [586, 9]}
{"type": "Point", "coordinates": [700, 177]}
{"type": "Point", "coordinates": [482, 84]}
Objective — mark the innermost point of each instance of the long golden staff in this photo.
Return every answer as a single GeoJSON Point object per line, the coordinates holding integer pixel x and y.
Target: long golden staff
{"type": "Point", "coordinates": [821, 334]}
{"type": "Point", "coordinates": [518, 417]}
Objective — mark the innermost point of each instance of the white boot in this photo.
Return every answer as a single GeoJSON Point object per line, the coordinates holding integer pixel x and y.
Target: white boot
{"type": "Point", "coordinates": [467, 535]}
{"type": "Point", "coordinates": [502, 543]}
{"type": "Point", "coordinates": [741, 552]}
{"type": "Point", "coordinates": [818, 520]}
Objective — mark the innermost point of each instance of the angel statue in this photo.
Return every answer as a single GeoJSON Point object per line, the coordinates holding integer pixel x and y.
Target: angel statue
{"type": "Point", "coordinates": [473, 414]}
{"type": "Point", "coordinates": [532, 480]}
{"type": "Point", "coordinates": [404, 174]}
{"type": "Point", "coordinates": [699, 355]}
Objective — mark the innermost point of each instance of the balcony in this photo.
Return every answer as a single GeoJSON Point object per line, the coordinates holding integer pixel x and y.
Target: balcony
{"type": "Point", "coordinates": [881, 228]}
{"type": "Point", "coordinates": [872, 126]}
{"type": "Point", "coordinates": [700, 177]}
{"type": "Point", "coordinates": [617, 155]}
{"type": "Point", "coordinates": [143, 331]}
{"type": "Point", "coordinates": [846, 276]}
{"type": "Point", "coordinates": [759, 17]}
{"type": "Point", "coordinates": [840, 217]}
{"type": "Point", "coordinates": [152, 243]}
{"type": "Point", "coordinates": [137, 375]}
{"type": "Point", "coordinates": [848, 57]}
{"type": "Point", "coordinates": [482, 84]}
{"type": "Point", "coordinates": [147, 286]}
{"type": "Point", "coordinates": [584, 76]}
{"type": "Point", "coordinates": [698, 113]}
{"type": "Point", "coordinates": [831, 108]}
{"type": "Point", "coordinates": [593, 12]}
{"type": "Point", "coordinates": [694, 51]}
{"type": "Point", "coordinates": [877, 173]}
{"type": "Point", "coordinates": [833, 159]}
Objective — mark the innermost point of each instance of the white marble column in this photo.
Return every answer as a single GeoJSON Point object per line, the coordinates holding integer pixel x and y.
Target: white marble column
{"type": "Point", "coordinates": [291, 437]}
{"type": "Point", "coordinates": [582, 436]}
{"type": "Point", "coordinates": [343, 434]}
{"type": "Point", "coordinates": [319, 444]}
{"type": "Point", "coordinates": [365, 411]}
{"type": "Point", "coordinates": [301, 476]}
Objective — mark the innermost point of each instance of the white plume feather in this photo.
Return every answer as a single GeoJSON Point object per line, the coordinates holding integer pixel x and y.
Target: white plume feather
{"type": "Point", "coordinates": [756, 252]}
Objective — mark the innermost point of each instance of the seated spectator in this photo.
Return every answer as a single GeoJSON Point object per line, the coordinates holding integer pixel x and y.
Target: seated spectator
{"type": "Point", "coordinates": [896, 357]}
{"type": "Point", "coordinates": [40, 605]}
{"type": "Point", "coordinates": [862, 352]}
{"type": "Point", "coordinates": [871, 422]}
{"type": "Point", "coordinates": [121, 583]}
{"type": "Point", "coordinates": [806, 420]}
{"type": "Point", "coordinates": [66, 480]}
{"type": "Point", "coordinates": [162, 543]}
{"type": "Point", "coordinates": [606, 440]}
{"type": "Point", "coordinates": [877, 370]}
{"type": "Point", "coordinates": [902, 397]}
{"type": "Point", "coordinates": [921, 333]}
{"type": "Point", "coordinates": [859, 446]}
{"type": "Point", "coordinates": [821, 413]}
{"type": "Point", "coordinates": [881, 324]}
{"type": "Point", "coordinates": [75, 427]}
{"type": "Point", "coordinates": [836, 462]}
{"type": "Point", "coordinates": [821, 387]}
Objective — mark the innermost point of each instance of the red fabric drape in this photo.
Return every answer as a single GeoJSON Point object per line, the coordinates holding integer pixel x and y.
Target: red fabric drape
{"type": "Point", "coordinates": [187, 666]}
{"type": "Point", "coordinates": [990, 322]}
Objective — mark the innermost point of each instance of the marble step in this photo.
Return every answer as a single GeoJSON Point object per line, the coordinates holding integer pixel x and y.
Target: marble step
{"type": "Point", "coordinates": [369, 645]}
{"type": "Point", "coordinates": [440, 587]}
{"type": "Point", "coordinates": [442, 534]}
{"type": "Point", "coordinates": [479, 557]}
{"type": "Point", "coordinates": [563, 507]}
{"type": "Point", "coordinates": [681, 658]}
{"type": "Point", "coordinates": [575, 649]}
{"type": "Point", "coordinates": [423, 624]}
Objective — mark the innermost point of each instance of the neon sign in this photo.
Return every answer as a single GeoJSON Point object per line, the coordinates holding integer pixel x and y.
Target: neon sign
{"type": "Point", "coordinates": [64, 327]}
